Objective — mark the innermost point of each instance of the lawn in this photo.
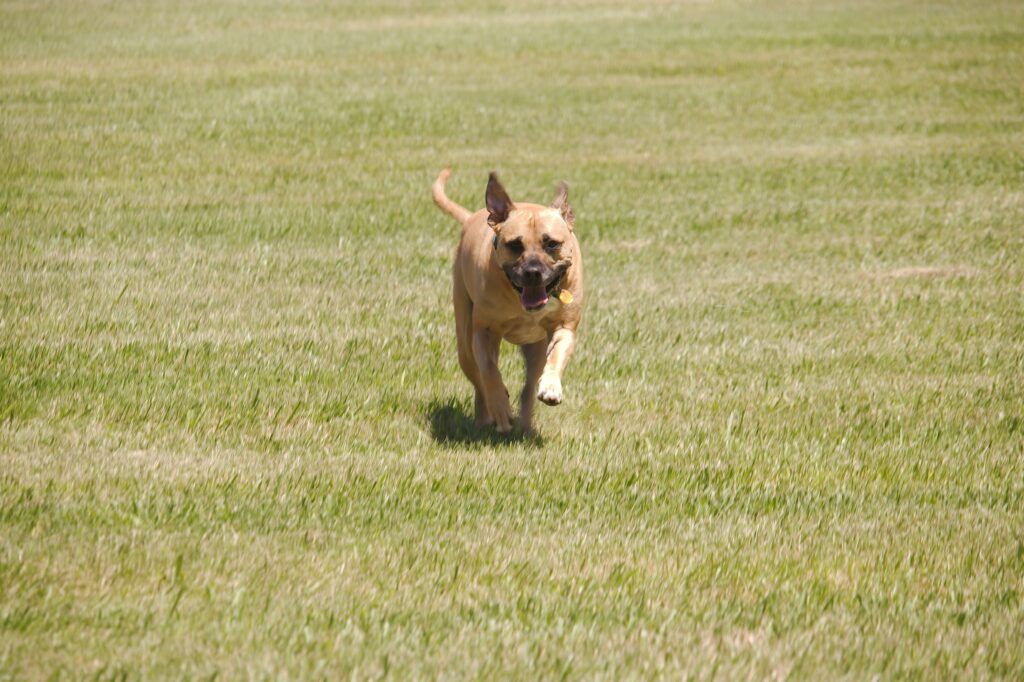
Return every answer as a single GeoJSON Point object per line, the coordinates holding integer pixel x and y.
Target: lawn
{"type": "Point", "coordinates": [234, 437]}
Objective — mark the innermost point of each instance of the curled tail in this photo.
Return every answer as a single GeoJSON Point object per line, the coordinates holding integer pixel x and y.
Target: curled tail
{"type": "Point", "coordinates": [444, 203]}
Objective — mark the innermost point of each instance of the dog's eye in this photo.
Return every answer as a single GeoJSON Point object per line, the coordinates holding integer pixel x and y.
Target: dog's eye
{"type": "Point", "coordinates": [515, 246]}
{"type": "Point", "coordinates": [552, 245]}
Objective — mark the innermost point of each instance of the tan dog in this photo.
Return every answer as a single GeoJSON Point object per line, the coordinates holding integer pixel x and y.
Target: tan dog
{"type": "Point", "coordinates": [519, 277]}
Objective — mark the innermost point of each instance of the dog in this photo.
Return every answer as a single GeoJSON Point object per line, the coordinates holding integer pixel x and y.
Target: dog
{"type": "Point", "coordinates": [518, 276]}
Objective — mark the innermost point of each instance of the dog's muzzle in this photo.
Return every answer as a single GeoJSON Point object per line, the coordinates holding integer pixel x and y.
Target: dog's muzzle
{"type": "Point", "coordinates": [534, 292]}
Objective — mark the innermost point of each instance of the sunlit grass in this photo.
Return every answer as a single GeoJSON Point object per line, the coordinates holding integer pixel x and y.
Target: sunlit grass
{"type": "Point", "coordinates": [234, 438]}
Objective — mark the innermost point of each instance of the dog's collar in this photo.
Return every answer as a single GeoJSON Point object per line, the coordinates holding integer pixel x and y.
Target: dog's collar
{"type": "Point", "coordinates": [494, 242]}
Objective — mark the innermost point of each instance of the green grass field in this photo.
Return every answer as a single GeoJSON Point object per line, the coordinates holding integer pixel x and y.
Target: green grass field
{"type": "Point", "coordinates": [234, 437]}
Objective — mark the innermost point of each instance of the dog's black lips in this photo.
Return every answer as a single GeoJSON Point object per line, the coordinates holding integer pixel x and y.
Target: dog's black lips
{"type": "Point", "coordinates": [550, 287]}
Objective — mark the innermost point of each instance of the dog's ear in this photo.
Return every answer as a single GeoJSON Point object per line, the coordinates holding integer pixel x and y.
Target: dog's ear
{"type": "Point", "coordinates": [498, 203]}
{"type": "Point", "coordinates": [561, 203]}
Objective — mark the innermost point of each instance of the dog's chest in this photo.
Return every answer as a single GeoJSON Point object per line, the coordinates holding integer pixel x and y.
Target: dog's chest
{"type": "Point", "coordinates": [529, 328]}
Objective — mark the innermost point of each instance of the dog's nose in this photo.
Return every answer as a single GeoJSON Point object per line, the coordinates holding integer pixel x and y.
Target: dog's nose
{"type": "Point", "coordinates": [532, 273]}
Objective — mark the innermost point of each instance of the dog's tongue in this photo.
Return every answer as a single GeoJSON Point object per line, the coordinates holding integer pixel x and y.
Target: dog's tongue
{"type": "Point", "coordinates": [534, 297]}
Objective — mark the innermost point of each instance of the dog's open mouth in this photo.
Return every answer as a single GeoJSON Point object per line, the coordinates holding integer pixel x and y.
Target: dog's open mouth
{"type": "Point", "coordinates": [536, 297]}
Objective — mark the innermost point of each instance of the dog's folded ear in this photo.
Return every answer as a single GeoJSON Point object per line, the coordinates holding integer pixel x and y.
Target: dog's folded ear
{"type": "Point", "coordinates": [498, 203]}
{"type": "Point", "coordinates": [561, 203]}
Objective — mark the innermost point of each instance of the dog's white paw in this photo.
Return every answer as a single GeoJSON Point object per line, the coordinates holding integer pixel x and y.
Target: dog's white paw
{"type": "Point", "coordinates": [549, 391]}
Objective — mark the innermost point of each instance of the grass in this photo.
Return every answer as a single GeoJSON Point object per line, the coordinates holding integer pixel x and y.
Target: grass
{"type": "Point", "coordinates": [234, 438]}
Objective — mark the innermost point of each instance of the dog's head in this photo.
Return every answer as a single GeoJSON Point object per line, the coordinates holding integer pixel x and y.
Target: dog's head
{"type": "Point", "coordinates": [532, 244]}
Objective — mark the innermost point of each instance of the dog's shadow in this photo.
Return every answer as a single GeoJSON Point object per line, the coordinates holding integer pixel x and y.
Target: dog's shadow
{"type": "Point", "coordinates": [451, 424]}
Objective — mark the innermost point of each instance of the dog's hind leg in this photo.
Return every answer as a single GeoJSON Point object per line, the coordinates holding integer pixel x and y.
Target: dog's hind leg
{"type": "Point", "coordinates": [534, 355]}
{"type": "Point", "coordinates": [464, 338]}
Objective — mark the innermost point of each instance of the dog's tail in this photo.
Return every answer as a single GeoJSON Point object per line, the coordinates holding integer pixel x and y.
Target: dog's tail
{"type": "Point", "coordinates": [460, 213]}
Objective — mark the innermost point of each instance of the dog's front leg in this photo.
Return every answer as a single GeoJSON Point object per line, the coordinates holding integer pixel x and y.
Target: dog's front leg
{"type": "Point", "coordinates": [485, 350]}
{"type": "Point", "coordinates": [559, 349]}
{"type": "Point", "coordinates": [534, 356]}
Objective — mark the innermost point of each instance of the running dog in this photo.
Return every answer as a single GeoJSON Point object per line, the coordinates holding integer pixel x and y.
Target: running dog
{"type": "Point", "coordinates": [518, 276]}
